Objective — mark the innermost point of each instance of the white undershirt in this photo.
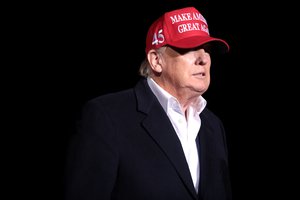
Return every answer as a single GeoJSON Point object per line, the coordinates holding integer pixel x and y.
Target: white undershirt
{"type": "Point", "coordinates": [186, 128]}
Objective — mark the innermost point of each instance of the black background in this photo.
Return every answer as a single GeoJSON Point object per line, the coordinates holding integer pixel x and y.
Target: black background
{"type": "Point", "coordinates": [70, 52]}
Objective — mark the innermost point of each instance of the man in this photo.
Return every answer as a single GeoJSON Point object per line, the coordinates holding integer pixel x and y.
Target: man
{"type": "Point", "coordinates": [158, 140]}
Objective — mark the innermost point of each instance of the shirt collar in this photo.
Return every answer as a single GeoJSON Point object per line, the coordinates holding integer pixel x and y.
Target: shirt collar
{"type": "Point", "coordinates": [166, 98]}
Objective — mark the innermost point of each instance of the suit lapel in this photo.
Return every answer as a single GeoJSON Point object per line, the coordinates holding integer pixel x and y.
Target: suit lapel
{"type": "Point", "coordinates": [161, 130]}
{"type": "Point", "coordinates": [206, 152]}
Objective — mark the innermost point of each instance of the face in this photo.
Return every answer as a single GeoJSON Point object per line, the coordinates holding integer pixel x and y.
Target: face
{"type": "Point", "coordinates": [185, 72]}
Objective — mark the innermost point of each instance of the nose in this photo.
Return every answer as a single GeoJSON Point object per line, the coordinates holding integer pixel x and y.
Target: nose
{"type": "Point", "coordinates": [203, 57]}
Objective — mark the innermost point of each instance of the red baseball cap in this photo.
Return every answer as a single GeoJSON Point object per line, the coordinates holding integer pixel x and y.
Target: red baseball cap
{"type": "Point", "coordinates": [182, 28]}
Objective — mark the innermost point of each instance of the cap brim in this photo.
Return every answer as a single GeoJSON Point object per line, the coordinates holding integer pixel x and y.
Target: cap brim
{"type": "Point", "coordinates": [218, 45]}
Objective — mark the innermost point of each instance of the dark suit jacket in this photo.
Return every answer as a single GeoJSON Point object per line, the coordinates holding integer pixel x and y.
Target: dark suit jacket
{"type": "Point", "coordinates": [127, 149]}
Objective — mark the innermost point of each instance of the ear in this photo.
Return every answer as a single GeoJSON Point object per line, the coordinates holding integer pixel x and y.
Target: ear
{"type": "Point", "coordinates": [155, 61]}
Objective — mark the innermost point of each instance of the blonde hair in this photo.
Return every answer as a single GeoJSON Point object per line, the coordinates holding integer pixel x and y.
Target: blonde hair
{"type": "Point", "coordinates": [145, 69]}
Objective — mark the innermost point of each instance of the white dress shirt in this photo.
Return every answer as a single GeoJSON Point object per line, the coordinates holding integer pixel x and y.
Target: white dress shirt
{"type": "Point", "coordinates": [187, 128]}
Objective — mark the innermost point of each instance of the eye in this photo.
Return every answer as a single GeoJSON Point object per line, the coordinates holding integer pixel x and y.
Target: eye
{"type": "Point", "coordinates": [207, 47]}
{"type": "Point", "coordinates": [181, 51]}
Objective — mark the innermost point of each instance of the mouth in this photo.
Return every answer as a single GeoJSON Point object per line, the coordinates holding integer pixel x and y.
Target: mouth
{"type": "Point", "coordinates": [200, 74]}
